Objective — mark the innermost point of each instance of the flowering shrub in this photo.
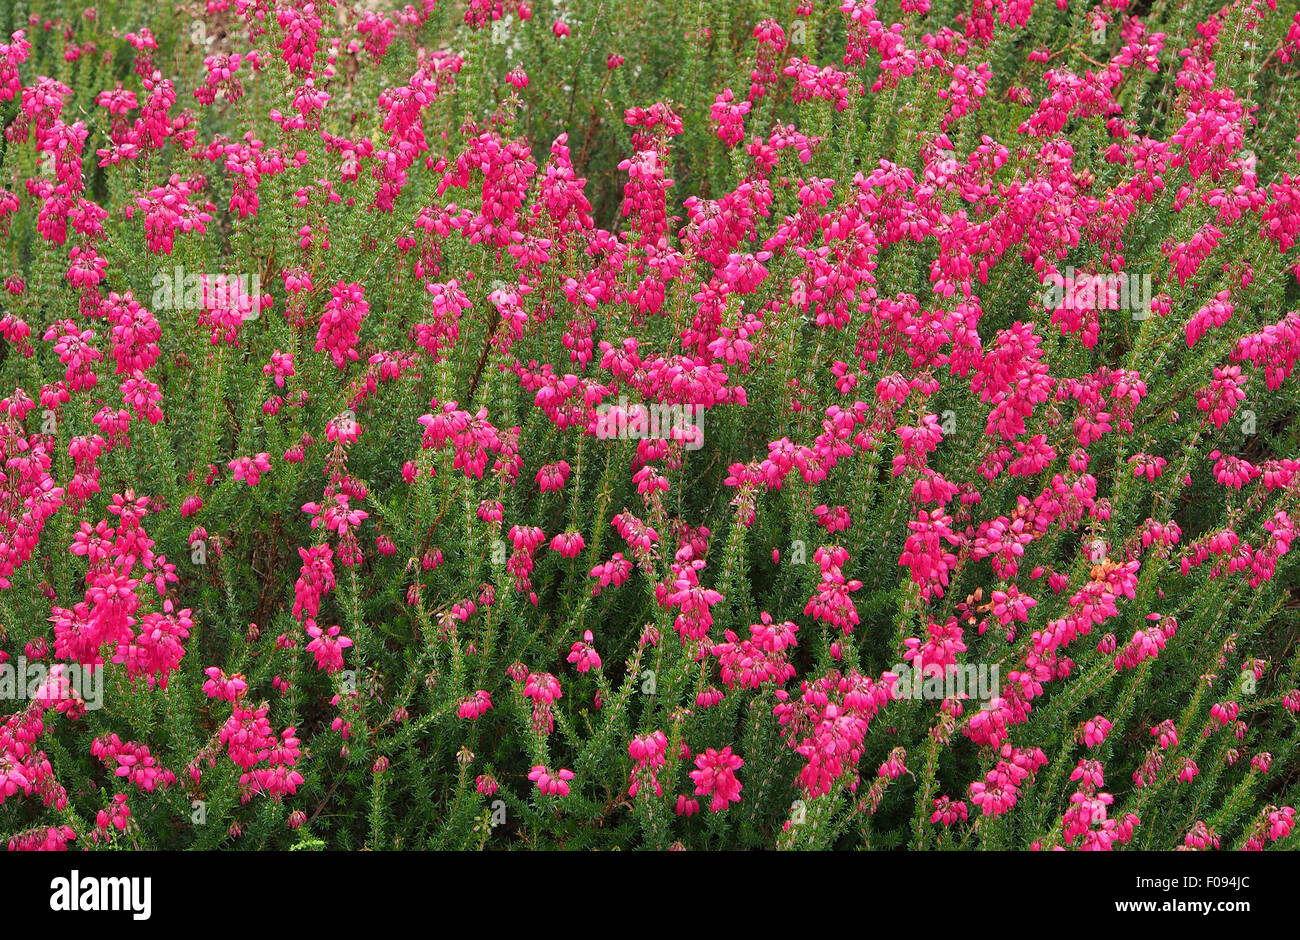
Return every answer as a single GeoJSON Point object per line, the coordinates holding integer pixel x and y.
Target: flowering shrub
{"type": "Point", "coordinates": [648, 424]}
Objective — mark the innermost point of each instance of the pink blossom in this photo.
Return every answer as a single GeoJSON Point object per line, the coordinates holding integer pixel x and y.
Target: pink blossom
{"type": "Point", "coordinates": [716, 776]}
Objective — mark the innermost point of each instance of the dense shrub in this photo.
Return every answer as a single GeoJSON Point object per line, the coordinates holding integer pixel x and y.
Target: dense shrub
{"type": "Point", "coordinates": [967, 332]}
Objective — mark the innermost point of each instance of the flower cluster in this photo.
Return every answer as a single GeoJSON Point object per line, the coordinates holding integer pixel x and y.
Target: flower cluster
{"type": "Point", "coordinates": [526, 393]}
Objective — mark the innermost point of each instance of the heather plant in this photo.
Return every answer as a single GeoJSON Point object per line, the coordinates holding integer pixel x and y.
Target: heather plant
{"type": "Point", "coordinates": [701, 424]}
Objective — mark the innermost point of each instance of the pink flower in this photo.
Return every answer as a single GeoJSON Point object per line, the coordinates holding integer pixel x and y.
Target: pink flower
{"type": "Point", "coordinates": [833, 519]}
{"type": "Point", "coordinates": [649, 751]}
{"type": "Point", "coordinates": [716, 776]}
{"type": "Point", "coordinates": [116, 816]}
{"type": "Point", "coordinates": [1095, 731]}
{"type": "Point", "coordinates": [327, 646]}
{"type": "Point", "coordinates": [947, 812]}
{"type": "Point", "coordinates": [553, 476]}
{"type": "Point", "coordinates": [1280, 823]}
{"type": "Point", "coordinates": [219, 685]}
{"type": "Point", "coordinates": [340, 324]}
{"type": "Point", "coordinates": [615, 571]}
{"type": "Point", "coordinates": [280, 367]}
{"type": "Point", "coordinates": [474, 706]}
{"type": "Point", "coordinates": [556, 784]}
{"type": "Point", "coordinates": [133, 762]}
{"type": "Point", "coordinates": [1167, 734]}
{"type": "Point", "coordinates": [542, 688]}
{"type": "Point", "coordinates": [583, 655]}
{"type": "Point", "coordinates": [1225, 713]}
{"type": "Point", "coordinates": [250, 469]}
{"type": "Point", "coordinates": [1201, 836]}
{"type": "Point", "coordinates": [568, 544]}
